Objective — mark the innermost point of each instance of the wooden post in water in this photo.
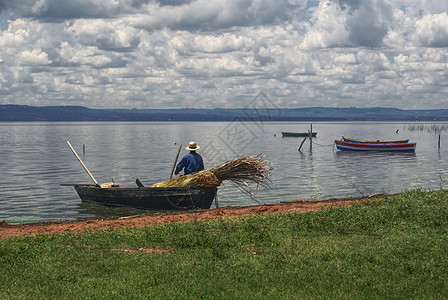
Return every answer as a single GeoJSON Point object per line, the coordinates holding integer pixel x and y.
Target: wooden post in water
{"type": "Point", "coordinates": [84, 149]}
{"type": "Point", "coordinates": [301, 144]}
{"type": "Point", "coordinates": [311, 137]}
{"type": "Point", "coordinates": [439, 142]}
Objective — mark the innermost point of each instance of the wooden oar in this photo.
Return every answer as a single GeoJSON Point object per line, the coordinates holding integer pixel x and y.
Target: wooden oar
{"type": "Point", "coordinates": [83, 165]}
{"type": "Point", "coordinates": [175, 162]}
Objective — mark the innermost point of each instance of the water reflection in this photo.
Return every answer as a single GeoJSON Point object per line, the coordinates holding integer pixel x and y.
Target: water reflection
{"type": "Point", "coordinates": [100, 211]}
{"type": "Point", "coordinates": [376, 155]}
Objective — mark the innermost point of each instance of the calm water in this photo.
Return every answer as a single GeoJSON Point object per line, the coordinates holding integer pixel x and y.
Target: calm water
{"type": "Point", "coordinates": [35, 159]}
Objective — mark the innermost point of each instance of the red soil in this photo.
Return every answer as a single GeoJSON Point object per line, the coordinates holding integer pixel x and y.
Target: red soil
{"type": "Point", "coordinates": [297, 206]}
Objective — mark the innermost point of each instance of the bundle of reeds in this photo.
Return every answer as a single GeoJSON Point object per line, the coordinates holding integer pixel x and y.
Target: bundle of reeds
{"type": "Point", "coordinates": [239, 171]}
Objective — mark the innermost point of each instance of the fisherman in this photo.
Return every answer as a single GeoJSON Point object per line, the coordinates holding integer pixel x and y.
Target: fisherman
{"type": "Point", "coordinates": [192, 162]}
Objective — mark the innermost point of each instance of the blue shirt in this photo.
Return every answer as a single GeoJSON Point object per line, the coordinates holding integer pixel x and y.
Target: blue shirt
{"type": "Point", "coordinates": [192, 162]}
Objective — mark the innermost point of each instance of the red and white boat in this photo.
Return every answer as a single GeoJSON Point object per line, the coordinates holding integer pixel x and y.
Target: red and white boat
{"type": "Point", "coordinates": [374, 142]}
{"type": "Point", "coordinates": [395, 147]}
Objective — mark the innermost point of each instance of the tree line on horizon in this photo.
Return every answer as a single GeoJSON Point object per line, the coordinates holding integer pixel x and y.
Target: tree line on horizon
{"type": "Point", "coordinates": [24, 113]}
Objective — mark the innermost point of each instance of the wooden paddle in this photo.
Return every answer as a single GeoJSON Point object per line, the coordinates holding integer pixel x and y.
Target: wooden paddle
{"type": "Point", "coordinates": [175, 162]}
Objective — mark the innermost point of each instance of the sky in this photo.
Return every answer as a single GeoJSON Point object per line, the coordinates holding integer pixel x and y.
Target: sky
{"type": "Point", "coordinates": [223, 53]}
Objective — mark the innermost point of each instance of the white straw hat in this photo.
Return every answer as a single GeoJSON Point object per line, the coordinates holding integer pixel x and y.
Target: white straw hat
{"type": "Point", "coordinates": [192, 146]}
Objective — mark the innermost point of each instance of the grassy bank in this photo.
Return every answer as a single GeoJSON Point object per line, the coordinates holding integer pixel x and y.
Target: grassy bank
{"type": "Point", "coordinates": [393, 247]}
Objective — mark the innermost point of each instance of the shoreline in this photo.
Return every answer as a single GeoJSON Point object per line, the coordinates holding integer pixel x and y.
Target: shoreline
{"type": "Point", "coordinates": [283, 207]}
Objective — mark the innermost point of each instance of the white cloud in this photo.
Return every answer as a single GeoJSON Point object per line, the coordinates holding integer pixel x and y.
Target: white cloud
{"type": "Point", "coordinates": [103, 34]}
{"type": "Point", "coordinates": [226, 42]}
{"type": "Point", "coordinates": [327, 28]}
{"type": "Point", "coordinates": [368, 24]}
{"type": "Point", "coordinates": [432, 30]}
{"type": "Point", "coordinates": [209, 15]}
{"type": "Point", "coordinates": [16, 35]}
{"type": "Point", "coordinates": [33, 57]}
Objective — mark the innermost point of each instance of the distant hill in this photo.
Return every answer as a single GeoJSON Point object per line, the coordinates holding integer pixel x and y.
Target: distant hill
{"type": "Point", "coordinates": [25, 113]}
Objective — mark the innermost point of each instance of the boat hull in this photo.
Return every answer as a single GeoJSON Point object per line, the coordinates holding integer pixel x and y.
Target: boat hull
{"type": "Point", "coordinates": [374, 142]}
{"type": "Point", "coordinates": [298, 134]}
{"type": "Point", "coordinates": [390, 147]}
{"type": "Point", "coordinates": [169, 198]}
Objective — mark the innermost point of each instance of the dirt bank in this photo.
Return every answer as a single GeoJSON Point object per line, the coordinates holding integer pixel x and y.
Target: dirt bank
{"type": "Point", "coordinates": [298, 206]}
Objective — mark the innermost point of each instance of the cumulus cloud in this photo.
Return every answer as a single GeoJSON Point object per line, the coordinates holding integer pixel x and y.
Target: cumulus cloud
{"type": "Point", "coordinates": [368, 22]}
{"type": "Point", "coordinates": [432, 30]}
{"type": "Point", "coordinates": [103, 34]}
{"type": "Point", "coordinates": [327, 27]}
{"type": "Point", "coordinates": [57, 10]}
{"type": "Point", "coordinates": [349, 23]}
{"type": "Point", "coordinates": [206, 15]}
{"type": "Point", "coordinates": [34, 57]}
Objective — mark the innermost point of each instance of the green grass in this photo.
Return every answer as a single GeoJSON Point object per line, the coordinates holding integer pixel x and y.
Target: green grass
{"type": "Point", "coordinates": [393, 247]}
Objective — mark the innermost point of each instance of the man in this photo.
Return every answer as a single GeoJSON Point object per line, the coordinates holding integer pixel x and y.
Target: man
{"type": "Point", "coordinates": [192, 162]}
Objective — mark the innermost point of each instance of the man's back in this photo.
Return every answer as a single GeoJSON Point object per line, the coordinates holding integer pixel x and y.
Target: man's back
{"type": "Point", "coordinates": [192, 162]}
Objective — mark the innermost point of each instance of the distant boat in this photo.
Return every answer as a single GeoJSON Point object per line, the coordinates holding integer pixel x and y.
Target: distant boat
{"type": "Point", "coordinates": [374, 142]}
{"type": "Point", "coordinates": [394, 147]}
{"type": "Point", "coordinates": [298, 134]}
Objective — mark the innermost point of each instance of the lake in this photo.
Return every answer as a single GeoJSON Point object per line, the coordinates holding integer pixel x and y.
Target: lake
{"type": "Point", "coordinates": [35, 160]}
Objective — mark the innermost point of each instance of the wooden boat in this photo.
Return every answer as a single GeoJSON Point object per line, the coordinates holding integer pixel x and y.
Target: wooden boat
{"type": "Point", "coordinates": [173, 198]}
{"type": "Point", "coordinates": [395, 147]}
{"type": "Point", "coordinates": [298, 134]}
{"type": "Point", "coordinates": [374, 142]}
{"type": "Point", "coordinates": [166, 198]}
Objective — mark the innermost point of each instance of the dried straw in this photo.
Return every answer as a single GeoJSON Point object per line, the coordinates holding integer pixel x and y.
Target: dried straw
{"type": "Point", "coordinates": [239, 171]}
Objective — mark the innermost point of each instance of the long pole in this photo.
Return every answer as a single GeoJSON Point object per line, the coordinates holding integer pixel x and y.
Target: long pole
{"type": "Point", "coordinates": [175, 162]}
{"type": "Point", "coordinates": [83, 165]}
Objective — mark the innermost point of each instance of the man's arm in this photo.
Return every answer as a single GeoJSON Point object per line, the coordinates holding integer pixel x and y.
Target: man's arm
{"type": "Point", "coordinates": [180, 165]}
{"type": "Point", "coordinates": [201, 164]}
